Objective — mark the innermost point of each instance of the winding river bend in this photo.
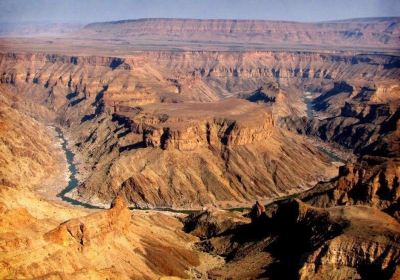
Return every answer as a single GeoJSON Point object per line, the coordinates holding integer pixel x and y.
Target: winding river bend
{"type": "Point", "coordinates": [72, 181]}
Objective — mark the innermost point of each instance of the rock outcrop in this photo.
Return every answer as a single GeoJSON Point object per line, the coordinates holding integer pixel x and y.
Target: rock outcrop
{"type": "Point", "coordinates": [194, 128]}
{"type": "Point", "coordinates": [186, 127]}
{"type": "Point", "coordinates": [356, 252]}
{"type": "Point", "coordinates": [300, 241]}
{"type": "Point", "coordinates": [358, 118]}
{"type": "Point", "coordinates": [32, 155]}
{"type": "Point", "coordinates": [80, 232]}
{"type": "Point", "coordinates": [212, 222]}
{"type": "Point", "coordinates": [121, 111]}
{"type": "Point", "coordinates": [371, 181]}
{"type": "Point", "coordinates": [105, 244]}
{"type": "Point", "coordinates": [46, 239]}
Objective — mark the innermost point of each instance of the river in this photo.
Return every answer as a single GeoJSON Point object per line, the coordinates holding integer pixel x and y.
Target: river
{"type": "Point", "coordinates": [73, 183]}
{"type": "Point", "coordinates": [309, 107]}
{"type": "Point", "coordinates": [72, 180]}
{"type": "Point", "coordinates": [310, 115]}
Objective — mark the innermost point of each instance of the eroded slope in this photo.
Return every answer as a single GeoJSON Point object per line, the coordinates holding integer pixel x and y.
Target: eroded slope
{"type": "Point", "coordinates": [42, 239]}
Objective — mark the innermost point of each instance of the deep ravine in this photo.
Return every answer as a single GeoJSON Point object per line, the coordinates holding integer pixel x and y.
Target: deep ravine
{"type": "Point", "coordinates": [72, 180]}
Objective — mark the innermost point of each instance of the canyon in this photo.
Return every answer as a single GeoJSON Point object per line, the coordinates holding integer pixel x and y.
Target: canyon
{"type": "Point", "coordinates": [202, 117]}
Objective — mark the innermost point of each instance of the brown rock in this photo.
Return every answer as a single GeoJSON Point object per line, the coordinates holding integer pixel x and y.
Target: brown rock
{"type": "Point", "coordinates": [116, 220]}
{"type": "Point", "coordinates": [119, 202]}
{"type": "Point", "coordinates": [256, 212]}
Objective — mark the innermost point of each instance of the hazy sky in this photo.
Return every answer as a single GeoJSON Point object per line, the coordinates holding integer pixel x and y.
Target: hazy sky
{"type": "Point", "coordinates": [106, 10]}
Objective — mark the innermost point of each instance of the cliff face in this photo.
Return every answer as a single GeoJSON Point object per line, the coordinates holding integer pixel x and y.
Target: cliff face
{"type": "Point", "coordinates": [34, 155]}
{"type": "Point", "coordinates": [122, 110]}
{"type": "Point", "coordinates": [201, 76]}
{"type": "Point", "coordinates": [144, 78]}
{"type": "Point", "coordinates": [366, 32]}
{"type": "Point", "coordinates": [134, 119]}
{"type": "Point", "coordinates": [291, 239]}
{"type": "Point", "coordinates": [189, 126]}
{"type": "Point", "coordinates": [215, 132]}
{"type": "Point", "coordinates": [46, 239]}
{"type": "Point", "coordinates": [188, 129]}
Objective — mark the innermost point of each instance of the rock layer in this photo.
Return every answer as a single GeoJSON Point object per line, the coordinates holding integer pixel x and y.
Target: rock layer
{"type": "Point", "coordinates": [193, 128]}
{"type": "Point", "coordinates": [46, 239]}
{"type": "Point", "coordinates": [113, 108]}
{"type": "Point", "coordinates": [297, 241]}
{"type": "Point", "coordinates": [363, 32]}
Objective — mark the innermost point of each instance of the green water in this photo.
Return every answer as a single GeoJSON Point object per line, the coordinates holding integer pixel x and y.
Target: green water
{"type": "Point", "coordinates": [72, 181]}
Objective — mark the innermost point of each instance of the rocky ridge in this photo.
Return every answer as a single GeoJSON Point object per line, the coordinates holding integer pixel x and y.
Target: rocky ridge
{"type": "Point", "coordinates": [294, 240]}
{"type": "Point", "coordinates": [47, 239]}
{"type": "Point", "coordinates": [195, 128]}
{"type": "Point", "coordinates": [374, 32]}
{"type": "Point", "coordinates": [120, 95]}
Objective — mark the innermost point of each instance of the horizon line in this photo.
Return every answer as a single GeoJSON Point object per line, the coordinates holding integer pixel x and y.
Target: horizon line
{"type": "Point", "coordinates": [194, 18]}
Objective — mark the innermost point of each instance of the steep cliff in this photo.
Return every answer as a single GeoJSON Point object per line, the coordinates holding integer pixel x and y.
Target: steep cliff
{"type": "Point", "coordinates": [296, 241]}
{"type": "Point", "coordinates": [134, 119]}
{"type": "Point", "coordinates": [150, 77]}
{"type": "Point", "coordinates": [208, 126]}
{"type": "Point", "coordinates": [120, 111]}
{"type": "Point", "coordinates": [47, 239]}
{"type": "Point", "coordinates": [26, 146]}
{"type": "Point", "coordinates": [227, 151]}
{"type": "Point", "coordinates": [39, 239]}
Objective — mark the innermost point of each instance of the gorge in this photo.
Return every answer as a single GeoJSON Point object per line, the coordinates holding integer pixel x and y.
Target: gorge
{"type": "Point", "coordinates": [202, 115]}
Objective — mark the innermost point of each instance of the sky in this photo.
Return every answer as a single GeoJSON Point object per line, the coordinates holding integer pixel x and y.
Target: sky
{"type": "Point", "coordinates": [107, 10]}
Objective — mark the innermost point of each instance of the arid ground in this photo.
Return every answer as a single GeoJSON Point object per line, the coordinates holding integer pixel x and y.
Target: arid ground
{"type": "Point", "coordinates": [201, 149]}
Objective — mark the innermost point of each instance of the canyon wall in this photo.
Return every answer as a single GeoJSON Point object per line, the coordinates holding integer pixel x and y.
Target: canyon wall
{"type": "Point", "coordinates": [294, 240]}
{"type": "Point", "coordinates": [193, 129]}
{"type": "Point", "coordinates": [134, 119]}
{"type": "Point", "coordinates": [150, 77]}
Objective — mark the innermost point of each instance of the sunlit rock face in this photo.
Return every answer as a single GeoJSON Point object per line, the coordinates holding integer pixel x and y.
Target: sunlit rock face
{"type": "Point", "coordinates": [214, 124]}
{"type": "Point", "coordinates": [135, 118]}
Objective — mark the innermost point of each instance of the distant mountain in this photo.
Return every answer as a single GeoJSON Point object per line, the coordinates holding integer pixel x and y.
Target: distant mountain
{"type": "Point", "coordinates": [368, 32]}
